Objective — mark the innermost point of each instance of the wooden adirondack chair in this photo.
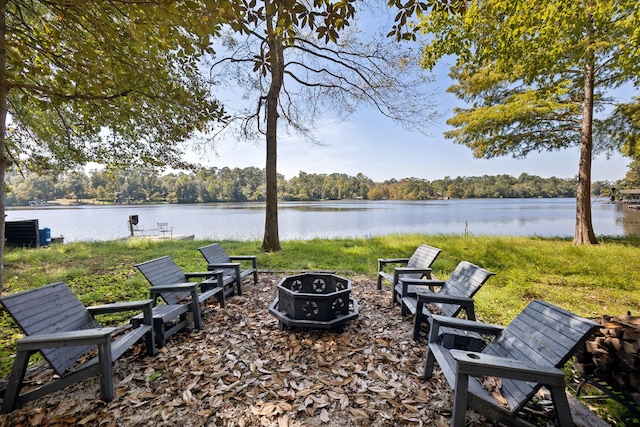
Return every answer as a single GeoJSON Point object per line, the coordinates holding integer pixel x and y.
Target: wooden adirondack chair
{"type": "Point", "coordinates": [171, 284]}
{"type": "Point", "coordinates": [217, 258]}
{"type": "Point", "coordinates": [417, 266]}
{"type": "Point", "coordinates": [455, 294]}
{"type": "Point", "coordinates": [164, 228]}
{"type": "Point", "coordinates": [525, 355]}
{"type": "Point", "coordinates": [57, 325]}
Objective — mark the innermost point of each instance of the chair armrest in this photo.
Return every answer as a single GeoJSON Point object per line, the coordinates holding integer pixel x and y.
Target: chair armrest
{"type": "Point", "coordinates": [118, 307]}
{"type": "Point", "coordinates": [399, 271]}
{"type": "Point", "coordinates": [64, 339]}
{"type": "Point", "coordinates": [412, 270]}
{"type": "Point", "coordinates": [176, 287]}
{"type": "Point", "coordinates": [468, 325]}
{"type": "Point", "coordinates": [384, 261]}
{"type": "Point", "coordinates": [223, 265]}
{"type": "Point", "coordinates": [393, 260]}
{"type": "Point", "coordinates": [416, 284]}
{"type": "Point", "coordinates": [479, 364]}
{"type": "Point", "coordinates": [145, 305]}
{"type": "Point", "coordinates": [423, 297]}
{"type": "Point", "coordinates": [425, 282]}
{"type": "Point", "coordinates": [198, 274]}
{"type": "Point", "coordinates": [447, 299]}
{"type": "Point", "coordinates": [216, 277]}
{"type": "Point", "coordinates": [243, 257]}
{"type": "Point", "coordinates": [252, 258]}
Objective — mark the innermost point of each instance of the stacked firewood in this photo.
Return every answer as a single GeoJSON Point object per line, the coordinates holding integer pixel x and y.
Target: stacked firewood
{"type": "Point", "coordinates": [612, 355]}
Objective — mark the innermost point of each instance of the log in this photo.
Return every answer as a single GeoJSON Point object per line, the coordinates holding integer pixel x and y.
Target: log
{"type": "Point", "coordinates": [631, 334]}
{"type": "Point", "coordinates": [615, 343]}
{"type": "Point", "coordinates": [631, 346]}
{"type": "Point", "coordinates": [612, 355]}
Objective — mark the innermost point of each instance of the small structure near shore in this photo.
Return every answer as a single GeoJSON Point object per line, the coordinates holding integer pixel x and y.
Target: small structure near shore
{"type": "Point", "coordinates": [27, 234]}
{"type": "Point", "coordinates": [162, 232]}
{"type": "Point", "coordinates": [626, 196]}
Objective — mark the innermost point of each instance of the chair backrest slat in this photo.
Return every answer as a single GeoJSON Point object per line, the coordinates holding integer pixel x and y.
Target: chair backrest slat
{"type": "Point", "coordinates": [164, 271]}
{"type": "Point", "coordinates": [542, 334]}
{"type": "Point", "coordinates": [423, 257]}
{"type": "Point", "coordinates": [465, 281]}
{"type": "Point", "coordinates": [215, 254]}
{"type": "Point", "coordinates": [48, 309]}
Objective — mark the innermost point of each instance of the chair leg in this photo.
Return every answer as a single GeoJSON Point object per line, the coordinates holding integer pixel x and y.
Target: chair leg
{"type": "Point", "coordinates": [429, 359]}
{"type": "Point", "coordinates": [106, 369]}
{"type": "Point", "coordinates": [150, 343]}
{"type": "Point", "coordinates": [460, 400]}
{"type": "Point", "coordinates": [561, 404]}
{"type": "Point", "coordinates": [16, 380]}
{"type": "Point", "coordinates": [429, 362]}
{"type": "Point", "coordinates": [239, 285]}
{"type": "Point", "coordinates": [160, 331]}
{"type": "Point", "coordinates": [396, 282]}
{"type": "Point", "coordinates": [404, 310]}
{"type": "Point", "coordinates": [150, 339]}
{"type": "Point", "coordinates": [221, 299]}
{"type": "Point", "coordinates": [194, 305]}
{"type": "Point", "coordinates": [417, 320]}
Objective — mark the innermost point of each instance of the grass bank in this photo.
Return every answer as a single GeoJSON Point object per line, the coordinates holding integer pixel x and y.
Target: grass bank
{"type": "Point", "coordinates": [587, 280]}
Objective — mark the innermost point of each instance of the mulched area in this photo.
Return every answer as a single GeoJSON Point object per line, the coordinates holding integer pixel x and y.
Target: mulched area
{"type": "Point", "coordinates": [242, 370]}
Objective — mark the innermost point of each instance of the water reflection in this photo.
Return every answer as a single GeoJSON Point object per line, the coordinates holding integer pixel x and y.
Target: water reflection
{"type": "Point", "coordinates": [307, 220]}
{"type": "Point", "coordinates": [630, 218]}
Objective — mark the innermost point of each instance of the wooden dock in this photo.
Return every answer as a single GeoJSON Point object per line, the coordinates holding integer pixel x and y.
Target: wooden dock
{"type": "Point", "coordinates": [165, 237]}
{"type": "Point", "coordinates": [632, 197]}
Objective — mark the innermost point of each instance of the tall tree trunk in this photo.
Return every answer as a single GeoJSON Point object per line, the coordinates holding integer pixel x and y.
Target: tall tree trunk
{"type": "Point", "coordinates": [271, 241]}
{"type": "Point", "coordinates": [4, 89]}
{"type": "Point", "coordinates": [584, 234]}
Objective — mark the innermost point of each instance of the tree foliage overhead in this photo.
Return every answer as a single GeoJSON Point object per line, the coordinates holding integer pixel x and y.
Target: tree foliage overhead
{"type": "Point", "coordinates": [537, 76]}
{"type": "Point", "coordinates": [521, 69]}
{"type": "Point", "coordinates": [513, 119]}
{"type": "Point", "coordinates": [112, 82]}
{"type": "Point", "coordinates": [116, 82]}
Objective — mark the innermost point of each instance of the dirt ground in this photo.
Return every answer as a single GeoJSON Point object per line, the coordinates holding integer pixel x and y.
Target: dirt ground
{"type": "Point", "coordinates": [240, 369]}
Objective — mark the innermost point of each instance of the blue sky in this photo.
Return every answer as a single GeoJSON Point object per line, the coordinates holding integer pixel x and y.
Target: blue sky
{"type": "Point", "coordinates": [373, 145]}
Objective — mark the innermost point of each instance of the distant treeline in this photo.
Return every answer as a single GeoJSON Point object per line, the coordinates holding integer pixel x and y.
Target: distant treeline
{"type": "Point", "coordinates": [248, 184]}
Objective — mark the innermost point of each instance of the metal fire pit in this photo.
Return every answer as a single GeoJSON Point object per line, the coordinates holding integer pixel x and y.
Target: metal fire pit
{"type": "Point", "coordinates": [314, 300]}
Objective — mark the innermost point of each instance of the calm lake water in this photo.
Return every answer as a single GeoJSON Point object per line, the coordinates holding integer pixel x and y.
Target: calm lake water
{"type": "Point", "coordinates": [306, 220]}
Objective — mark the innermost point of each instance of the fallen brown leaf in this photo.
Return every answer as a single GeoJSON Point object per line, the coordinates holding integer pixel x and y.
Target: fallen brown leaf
{"type": "Point", "coordinates": [241, 369]}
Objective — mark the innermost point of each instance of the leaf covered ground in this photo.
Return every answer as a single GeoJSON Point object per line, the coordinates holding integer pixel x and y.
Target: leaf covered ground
{"type": "Point", "coordinates": [242, 370]}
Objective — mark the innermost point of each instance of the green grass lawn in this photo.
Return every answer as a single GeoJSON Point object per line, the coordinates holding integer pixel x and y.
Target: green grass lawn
{"type": "Point", "coordinates": [587, 280]}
